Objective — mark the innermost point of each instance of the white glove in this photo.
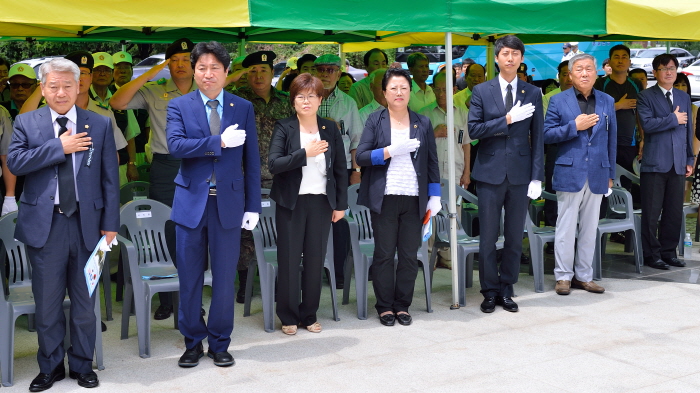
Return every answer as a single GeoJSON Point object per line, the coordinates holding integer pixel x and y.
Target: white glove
{"type": "Point", "coordinates": [403, 147]}
{"type": "Point", "coordinates": [107, 247]}
{"type": "Point", "coordinates": [9, 205]}
{"type": "Point", "coordinates": [250, 220]}
{"type": "Point", "coordinates": [607, 194]}
{"type": "Point", "coordinates": [534, 190]}
{"type": "Point", "coordinates": [434, 205]}
{"type": "Point", "coordinates": [518, 113]}
{"type": "Point", "coordinates": [232, 136]}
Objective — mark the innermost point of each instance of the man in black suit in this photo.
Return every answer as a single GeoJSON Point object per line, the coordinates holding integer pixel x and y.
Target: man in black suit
{"type": "Point", "coordinates": [506, 117]}
{"type": "Point", "coordinates": [667, 160]}
{"type": "Point", "coordinates": [70, 199]}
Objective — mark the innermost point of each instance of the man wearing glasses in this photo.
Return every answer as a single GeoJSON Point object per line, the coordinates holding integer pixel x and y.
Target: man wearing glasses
{"type": "Point", "coordinates": [667, 160]}
{"type": "Point", "coordinates": [22, 83]}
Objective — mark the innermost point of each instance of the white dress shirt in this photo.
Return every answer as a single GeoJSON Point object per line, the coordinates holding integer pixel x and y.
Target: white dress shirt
{"type": "Point", "coordinates": [72, 116]}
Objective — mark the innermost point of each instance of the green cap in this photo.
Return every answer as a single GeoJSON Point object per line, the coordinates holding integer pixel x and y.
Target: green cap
{"type": "Point", "coordinates": [328, 59]}
{"type": "Point", "coordinates": [22, 69]}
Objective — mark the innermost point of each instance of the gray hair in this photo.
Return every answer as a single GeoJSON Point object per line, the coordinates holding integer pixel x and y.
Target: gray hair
{"type": "Point", "coordinates": [579, 57]}
{"type": "Point", "coordinates": [59, 65]}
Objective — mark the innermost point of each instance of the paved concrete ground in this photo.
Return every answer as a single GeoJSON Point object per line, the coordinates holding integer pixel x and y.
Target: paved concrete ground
{"type": "Point", "coordinates": [641, 335]}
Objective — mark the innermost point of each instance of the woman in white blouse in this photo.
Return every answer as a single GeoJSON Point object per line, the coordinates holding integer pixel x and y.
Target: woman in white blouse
{"type": "Point", "coordinates": [400, 184]}
{"type": "Point", "coordinates": [307, 159]}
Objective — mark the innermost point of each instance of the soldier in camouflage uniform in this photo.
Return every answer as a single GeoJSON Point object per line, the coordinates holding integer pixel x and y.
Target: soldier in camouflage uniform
{"type": "Point", "coordinates": [269, 105]}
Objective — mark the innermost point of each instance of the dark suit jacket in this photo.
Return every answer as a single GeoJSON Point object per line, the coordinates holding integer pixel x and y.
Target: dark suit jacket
{"type": "Point", "coordinates": [667, 144]}
{"type": "Point", "coordinates": [515, 150]}
{"type": "Point", "coordinates": [579, 156]}
{"type": "Point", "coordinates": [287, 157]}
{"type": "Point", "coordinates": [35, 152]}
{"type": "Point", "coordinates": [190, 139]}
{"type": "Point", "coordinates": [370, 155]}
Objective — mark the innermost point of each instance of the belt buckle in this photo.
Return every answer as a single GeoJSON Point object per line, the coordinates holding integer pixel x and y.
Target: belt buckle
{"type": "Point", "coordinates": [59, 210]}
{"type": "Point", "coordinates": [212, 191]}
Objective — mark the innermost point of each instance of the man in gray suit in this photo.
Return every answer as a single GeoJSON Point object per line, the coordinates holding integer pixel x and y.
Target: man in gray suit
{"type": "Point", "coordinates": [70, 199]}
{"type": "Point", "coordinates": [581, 121]}
{"type": "Point", "coordinates": [667, 160]}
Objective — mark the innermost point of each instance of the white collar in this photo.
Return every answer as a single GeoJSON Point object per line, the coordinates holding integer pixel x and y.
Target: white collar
{"type": "Point", "coordinates": [72, 115]}
{"type": "Point", "coordinates": [502, 82]}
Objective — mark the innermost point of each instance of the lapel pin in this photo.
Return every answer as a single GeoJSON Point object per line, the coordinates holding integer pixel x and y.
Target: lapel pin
{"type": "Point", "coordinates": [522, 91]}
{"type": "Point", "coordinates": [323, 127]}
{"type": "Point", "coordinates": [415, 126]}
{"type": "Point", "coordinates": [165, 95]}
{"type": "Point", "coordinates": [231, 104]}
{"type": "Point", "coordinates": [87, 126]}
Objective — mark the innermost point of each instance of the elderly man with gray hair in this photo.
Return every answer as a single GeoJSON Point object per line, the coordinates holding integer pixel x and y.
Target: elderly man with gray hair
{"type": "Point", "coordinates": [71, 199]}
{"type": "Point", "coordinates": [582, 122]}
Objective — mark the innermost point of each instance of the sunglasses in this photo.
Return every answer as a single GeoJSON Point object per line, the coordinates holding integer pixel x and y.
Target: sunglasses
{"type": "Point", "coordinates": [18, 85]}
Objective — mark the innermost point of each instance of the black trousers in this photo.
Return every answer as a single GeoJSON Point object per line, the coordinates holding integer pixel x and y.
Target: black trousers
{"type": "Point", "coordinates": [396, 229]}
{"type": "Point", "coordinates": [56, 267]}
{"type": "Point", "coordinates": [303, 230]}
{"type": "Point", "coordinates": [662, 194]}
{"type": "Point", "coordinates": [495, 279]}
{"type": "Point", "coordinates": [164, 169]}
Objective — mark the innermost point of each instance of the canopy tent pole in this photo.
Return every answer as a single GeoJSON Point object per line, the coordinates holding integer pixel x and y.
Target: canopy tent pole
{"type": "Point", "coordinates": [452, 197]}
{"type": "Point", "coordinates": [490, 60]}
{"type": "Point", "coordinates": [341, 54]}
{"type": "Point", "coordinates": [241, 44]}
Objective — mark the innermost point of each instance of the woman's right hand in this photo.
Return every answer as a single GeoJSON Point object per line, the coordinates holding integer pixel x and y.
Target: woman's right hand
{"type": "Point", "coordinates": [315, 148]}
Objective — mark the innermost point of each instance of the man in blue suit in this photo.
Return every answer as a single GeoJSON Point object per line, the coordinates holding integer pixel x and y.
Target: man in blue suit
{"type": "Point", "coordinates": [508, 167]}
{"type": "Point", "coordinates": [581, 121]}
{"type": "Point", "coordinates": [666, 161]}
{"type": "Point", "coordinates": [70, 199]}
{"type": "Point", "coordinates": [217, 194]}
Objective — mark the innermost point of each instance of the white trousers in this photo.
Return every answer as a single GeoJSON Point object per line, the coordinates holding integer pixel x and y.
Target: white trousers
{"type": "Point", "coordinates": [576, 209]}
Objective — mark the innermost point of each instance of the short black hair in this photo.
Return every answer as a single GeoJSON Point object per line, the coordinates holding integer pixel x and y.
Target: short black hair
{"type": "Point", "coordinates": [352, 78]}
{"type": "Point", "coordinates": [370, 53]}
{"type": "Point", "coordinates": [681, 77]}
{"type": "Point", "coordinates": [468, 60]}
{"type": "Point", "coordinates": [662, 60]}
{"type": "Point", "coordinates": [392, 72]}
{"type": "Point", "coordinates": [637, 71]}
{"type": "Point", "coordinates": [509, 41]}
{"type": "Point", "coordinates": [562, 65]}
{"type": "Point", "coordinates": [4, 62]}
{"type": "Point", "coordinates": [619, 47]}
{"type": "Point", "coordinates": [466, 72]}
{"type": "Point", "coordinates": [213, 48]}
{"type": "Point", "coordinates": [606, 61]}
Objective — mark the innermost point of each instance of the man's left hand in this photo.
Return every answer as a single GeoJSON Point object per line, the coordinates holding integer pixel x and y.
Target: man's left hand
{"type": "Point", "coordinates": [355, 178]}
{"type": "Point", "coordinates": [465, 180]}
{"type": "Point", "coordinates": [110, 237]}
{"type": "Point", "coordinates": [688, 170]}
{"type": "Point", "coordinates": [534, 190]}
{"type": "Point", "coordinates": [250, 220]}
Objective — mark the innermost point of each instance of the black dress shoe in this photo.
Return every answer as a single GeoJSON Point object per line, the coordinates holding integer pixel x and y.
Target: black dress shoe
{"type": "Point", "coordinates": [507, 303]}
{"type": "Point", "coordinates": [404, 319]}
{"type": "Point", "coordinates": [191, 356]}
{"type": "Point", "coordinates": [488, 305]}
{"type": "Point", "coordinates": [104, 327]}
{"type": "Point", "coordinates": [221, 359]}
{"type": "Point", "coordinates": [163, 312]}
{"type": "Point", "coordinates": [45, 381]}
{"type": "Point", "coordinates": [87, 380]}
{"type": "Point", "coordinates": [674, 262]}
{"type": "Point", "coordinates": [658, 264]}
{"type": "Point", "coordinates": [387, 320]}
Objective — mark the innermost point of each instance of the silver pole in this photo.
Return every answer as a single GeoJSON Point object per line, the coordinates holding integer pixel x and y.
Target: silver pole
{"type": "Point", "coordinates": [490, 61]}
{"type": "Point", "coordinates": [452, 197]}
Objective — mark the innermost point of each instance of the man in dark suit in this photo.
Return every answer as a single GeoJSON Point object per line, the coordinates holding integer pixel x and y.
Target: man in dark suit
{"type": "Point", "coordinates": [506, 117]}
{"type": "Point", "coordinates": [217, 193]}
{"type": "Point", "coordinates": [70, 198]}
{"type": "Point", "coordinates": [667, 160]}
{"type": "Point", "coordinates": [581, 121]}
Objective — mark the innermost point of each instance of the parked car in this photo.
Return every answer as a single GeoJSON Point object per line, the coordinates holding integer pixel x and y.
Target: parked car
{"type": "Point", "coordinates": [693, 72]}
{"type": "Point", "coordinates": [277, 70]}
{"type": "Point", "coordinates": [36, 63]}
{"type": "Point", "coordinates": [633, 52]}
{"type": "Point", "coordinates": [646, 56]}
{"type": "Point", "coordinates": [356, 73]}
{"type": "Point", "coordinates": [148, 63]}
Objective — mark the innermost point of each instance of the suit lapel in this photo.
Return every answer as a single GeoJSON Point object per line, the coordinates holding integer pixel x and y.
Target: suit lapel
{"type": "Point", "coordinates": [200, 113]}
{"type": "Point", "coordinates": [602, 117]}
{"type": "Point", "coordinates": [326, 136]}
{"type": "Point", "coordinates": [385, 138]}
{"type": "Point", "coordinates": [45, 123]}
{"type": "Point", "coordinates": [519, 92]}
{"type": "Point", "coordinates": [295, 137]}
{"type": "Point", "coordinates": [229, 110]}
{"type": "Point", "coordinates": [497, 96]}
{"type": "Point", "coordinates": [661, 100]}
{"type": "Point", "coordinates": [572, 102]}
{"type": "Point", "coordinates": [82, 125]}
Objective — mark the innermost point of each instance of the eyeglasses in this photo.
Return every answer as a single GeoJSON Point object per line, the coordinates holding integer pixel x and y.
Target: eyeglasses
{"type": "Point", "coordinates": [326, 70]}
{"type": "Point", "coordinates": [669, 69]}
{"type": "Point", "coordinates": [22, 85]}
{"type": "Point", "coordinates": [103, 71]}
{"type": "Point", "coordinates": [302, 98]}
